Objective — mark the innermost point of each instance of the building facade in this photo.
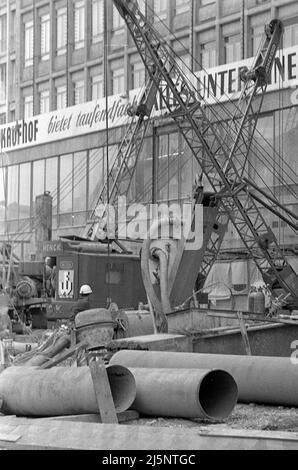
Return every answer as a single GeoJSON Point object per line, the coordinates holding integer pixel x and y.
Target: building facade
{"type": "Point", "coordinates": [52, 66]}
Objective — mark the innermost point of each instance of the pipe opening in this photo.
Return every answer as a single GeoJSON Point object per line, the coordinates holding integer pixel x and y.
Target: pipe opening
{"type": "Point", "coordinates": [123, 387]}
{"type": "Point", "coordinates": [218, 394]}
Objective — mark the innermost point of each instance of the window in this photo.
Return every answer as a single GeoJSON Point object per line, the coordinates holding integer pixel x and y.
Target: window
{"type": "Point", "coordinates": [256, 39]}
{"type": "Point", "coordinates": [232, 49]}
{"type": "Point", "coordinates": [117, 81]}
{"type": "Point", "coordinates": [65, 184]}
{"type": "Point", "coordinates": [12, 28]}
{"type": "Point", "coordinates": [45, 37]}
{"type": "Point", "coordinates": [25, 196]}
{"type": "Point", "coordinates": [118, 21]}
{"type": "Point", "coordinates": [287, 138]}
{"type": "Point", "coordinates": [138, 75]}
{"type": "Point", "coordinates": [61, 97]}
{"type": "Point", "coordinates": [208, 55]}
{"type": "Point", "coordinates": [12, 115]}
{"type": "Point", "coordinates": [12, 192]}
{"type": "Point", "coordinates": [97, 20]}
{"type": "Point", "coordinates": [2, 196]}
{"type": "Point", "coordinates": [79, 182]}
{"type": "Point", "coordinates": [28, 107]}
{"type": "Point", "coordinates": [291, 35]}
{"type": "Point", "coordinates": [183, 63]}
{"type": "Point", "coordinates": [79, 22]}
{"type": "Point", "coordinates": [160, 9]}
{"type": "Point", "coordinates": [2, 83]}
{"type": "Point", "coordinates": [182, 6]}
{"type": "Point", "coordinates": [79, 92]}
{"type": "Point", "coordinates": [95, 175]}
{"type": "Point", "coordinates": [51, 176]}
{"type": "Point", "coordinates": [61, 31]}
{"type": "Point", "coordinates": [2, 118]}
{"type": "Point", "coordinates": [72, 189]}
{"type": "Point", "coordinates": [96, 87]}
{"type": "Point", "coordinates": [13, 73]}
{"type": "Point", "coordinates": [29, 43]}
{"type": "Point", "coordinates": [258, 172]}
{"type": "Point", "coordinates": [38, 178]}
{"type": "Point", "coordinates": [168, 167]}
{"type": "Point", "coordinates": [2, 33]}
{"type": "Point", "coordinates": [44, 102]}
{"type": "Point", "coordinates": [142, 6]}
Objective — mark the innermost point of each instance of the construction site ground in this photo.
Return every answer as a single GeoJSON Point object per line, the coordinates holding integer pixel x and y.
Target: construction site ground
{"type": "Point", "coordinates": [250, 416]}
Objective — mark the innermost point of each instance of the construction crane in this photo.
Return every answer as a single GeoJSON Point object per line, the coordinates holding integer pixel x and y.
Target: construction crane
{"type": "Point", "coordinates": [119, 178]}
{"type": "Point", "coordinates": [221, 148]}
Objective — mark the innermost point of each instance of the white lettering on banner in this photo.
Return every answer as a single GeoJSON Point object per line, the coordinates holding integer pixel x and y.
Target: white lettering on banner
{"type": "Point", "coordinates": [223, 82]}
{"type": "Point", "coordinates": [217, 84]}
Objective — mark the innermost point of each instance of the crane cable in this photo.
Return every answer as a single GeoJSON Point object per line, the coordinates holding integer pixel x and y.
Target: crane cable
{"type": "Point", "coordinates": [222, 106]}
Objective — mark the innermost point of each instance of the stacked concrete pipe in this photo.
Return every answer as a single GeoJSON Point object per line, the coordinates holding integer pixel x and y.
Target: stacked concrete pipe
{"type": "Point", "coordinates": [189, 393]}
{"type": "Point", "coordinates": [266, 380]}
{"type": "Point", "coordinates": [29, 391]}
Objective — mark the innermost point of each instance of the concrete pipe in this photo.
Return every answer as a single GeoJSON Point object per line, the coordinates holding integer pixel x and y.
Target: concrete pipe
{"type": "Point", "coordinates": [267, 380]}
{"type": "Point", "coordinates": [189, 393]}
{"type": "Point", "coordinates": [28, 391]}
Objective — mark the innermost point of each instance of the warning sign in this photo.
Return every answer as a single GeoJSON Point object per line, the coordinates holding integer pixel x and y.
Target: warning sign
{"type": "Point", "coordinates": [65, 284]}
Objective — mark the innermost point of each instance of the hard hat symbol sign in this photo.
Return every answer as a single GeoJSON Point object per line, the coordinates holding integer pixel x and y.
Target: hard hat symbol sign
{"type": "Point", "coordinates": [66, 284]}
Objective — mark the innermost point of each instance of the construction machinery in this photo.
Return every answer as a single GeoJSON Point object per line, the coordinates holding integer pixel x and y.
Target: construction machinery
{"type": "Point", "coordinates": [221, 142]}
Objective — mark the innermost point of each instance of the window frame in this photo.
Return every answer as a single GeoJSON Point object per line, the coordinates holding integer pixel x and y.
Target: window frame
{"type": "Point", "coordinates": [45, 36]}
{"type": "Point", "coordinates": [61, 31]}
{"type": "Point", "coordinates": [28, 47]}
{"type": "Point", "coordinates": [79, 24]}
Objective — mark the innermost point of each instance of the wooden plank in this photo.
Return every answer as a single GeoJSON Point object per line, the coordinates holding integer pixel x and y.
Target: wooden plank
{"type": "Point", "coordinates": [251, 317]}
{"type": "Point", "coordinates": [11, 437]}
{"type": "Point", "coordinates": [123, 417]}
{"type": "Point", "coordinates": [244, 334]}
{"type": "Point", "coordinates": [103, 392]}
{"type": "Point", "coordinates": [73, 337]}
{"type": "Point", "coordinates": [92, 436]}
{"type": "Point", "coordinates": [63, 356]}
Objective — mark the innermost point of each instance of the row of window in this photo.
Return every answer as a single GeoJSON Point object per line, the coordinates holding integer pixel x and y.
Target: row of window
{"type": "Point", "coordinates": [79, 95]}
{"type": "Point", "coordinates": [97, 15]}
{"type": "Point", "coordinates": [79, 90]}
{"type": "Point", "coordinates": [74, 181]}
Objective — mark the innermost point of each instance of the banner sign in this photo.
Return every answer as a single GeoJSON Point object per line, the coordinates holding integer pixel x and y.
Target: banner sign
{"type": "Point", "coordinates": [218, 84]}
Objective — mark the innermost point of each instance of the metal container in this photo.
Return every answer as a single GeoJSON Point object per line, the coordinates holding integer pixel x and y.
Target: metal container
{"type": "Point", "coordinates": [251, 299]}
{"type": "Point", "coordinates": [259, 302]}
{"type": "Point", "coordinates": [132, 323]}
{"type": "Point", "coordinates": [95, 327]}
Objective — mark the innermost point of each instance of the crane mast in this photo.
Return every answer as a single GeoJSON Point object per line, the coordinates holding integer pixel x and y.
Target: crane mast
{"type": "Point", "coordinates": [220, 146]}
{"type": "Point", "coordinates": [120, 175]}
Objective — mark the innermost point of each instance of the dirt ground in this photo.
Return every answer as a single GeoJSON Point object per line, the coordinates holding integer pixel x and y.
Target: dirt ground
{"type": "Point", "coordinates": [256, 417]}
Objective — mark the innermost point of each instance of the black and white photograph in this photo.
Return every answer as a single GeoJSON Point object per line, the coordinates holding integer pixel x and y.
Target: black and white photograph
{"type": "Point", "coordinates": [148, 229]}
